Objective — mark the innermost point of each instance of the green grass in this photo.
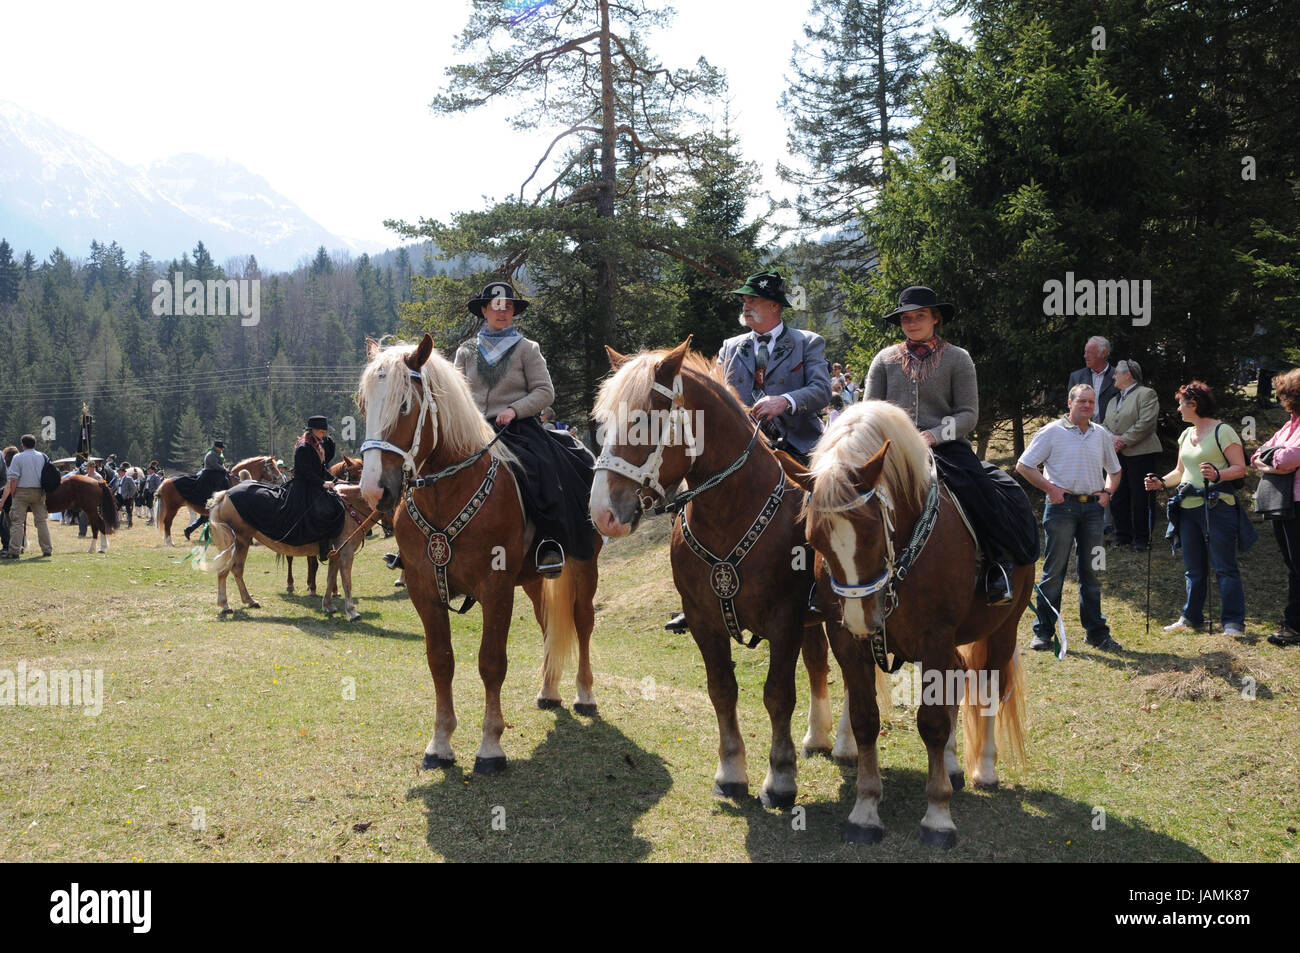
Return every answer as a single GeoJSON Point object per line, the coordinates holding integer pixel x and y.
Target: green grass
{"type": "Point", "coordinates": [245, 719]}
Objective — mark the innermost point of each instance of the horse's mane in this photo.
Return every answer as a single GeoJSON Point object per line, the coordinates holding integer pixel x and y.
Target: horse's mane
{"type": "Point", "coordinates": [461, 427]}
{"type": "Point", "coordinates": [853, 439]}
{"type": "Point", "coordinates": [629, 386]}
{"type": "Point", "coordinates": [249, 461]}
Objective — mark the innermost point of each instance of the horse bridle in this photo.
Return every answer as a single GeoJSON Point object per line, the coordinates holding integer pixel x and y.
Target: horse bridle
{"type": "Point", "coordinates": [646, 476]}
{"type": "Point", "coordinates": [895, 570]}
{"type": "Point", "coordinates": [409, 462]}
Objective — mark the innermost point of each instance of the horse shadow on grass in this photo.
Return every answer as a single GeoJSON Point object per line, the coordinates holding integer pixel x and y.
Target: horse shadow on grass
{"type": "Point", "coordinates": [576, 797]}
{"type": "Point", "coordinates": [1013, 823]}
{"type": "Point", "coordinates": [321, 625]}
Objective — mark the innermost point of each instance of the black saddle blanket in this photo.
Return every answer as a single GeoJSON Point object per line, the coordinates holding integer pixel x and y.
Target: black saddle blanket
{"type": "Point", "coordinates": [198, 489]}
{"type": "Point", "coordinates": [287, 514]}
{"type": "Point", "coordinates": [994, 502]}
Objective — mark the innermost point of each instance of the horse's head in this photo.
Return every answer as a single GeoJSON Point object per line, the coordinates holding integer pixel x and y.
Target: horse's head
{"type": "Point", "coordinates": [649, 442]}
{"type": "Point", "coordinates": [271, 472]}
{"type": "Point", "coordinates": [869, 462]}
{"type": "Point", "coordinates": [418, 410]}
{"type": "Point", "coordinates": [395, 400]}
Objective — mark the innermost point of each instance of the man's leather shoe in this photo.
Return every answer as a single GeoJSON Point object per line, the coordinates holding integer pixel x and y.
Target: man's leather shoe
{"type": "Point", "coordinates": [1141, 547]}
{"type": "Point", "coordinates": [1040, 644]}
{"type": "Point", "coordinates": [1285, 636]}
{"type": "Point", "coordinates": [677, 623]}
{"type": "Point", "coordinates": [1109, 645]}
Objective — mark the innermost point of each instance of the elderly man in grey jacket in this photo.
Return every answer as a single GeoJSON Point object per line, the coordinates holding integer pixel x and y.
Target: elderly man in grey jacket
{"type": "Point", "coordinates": [781, 369]}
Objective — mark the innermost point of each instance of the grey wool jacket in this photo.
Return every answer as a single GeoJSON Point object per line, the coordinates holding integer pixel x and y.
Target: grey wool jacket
{"type": "Point", "coordinates": [522, 380]}
{"type": "Point", "coordinates": [946, 403]}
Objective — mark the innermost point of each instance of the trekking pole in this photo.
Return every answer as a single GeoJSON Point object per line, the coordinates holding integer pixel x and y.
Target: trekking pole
{"type": "Point", "coordinates": [1211, 574]}
{"type": "Point", "coordinates": [1151, 520]}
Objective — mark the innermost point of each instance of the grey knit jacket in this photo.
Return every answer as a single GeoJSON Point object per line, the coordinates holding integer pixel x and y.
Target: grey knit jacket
{"type": "Point", "coordinates": [946, 403]}
{"type": "Point", "coordinates": [525, 385]}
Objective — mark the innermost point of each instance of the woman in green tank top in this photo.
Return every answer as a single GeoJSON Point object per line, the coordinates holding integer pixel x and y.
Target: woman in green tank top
{"type": "Point", "coordinates": [1210, 455]}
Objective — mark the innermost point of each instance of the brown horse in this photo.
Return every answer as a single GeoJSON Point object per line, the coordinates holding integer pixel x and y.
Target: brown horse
{"type": "Point", "coordinates": [347, 470]}
{"type": "Point", "coordinates": [686, 423]}
{"type": "Point", "coordinates": [92, 497]}
{"type": "Point", "coordinates": [232, 536]}
{"type": "Point", "coordinates": [871, 481]}
{"type": "Point", "coordinates": [169, 502]}
{"type": "Point", "coordinates": [421, 419]}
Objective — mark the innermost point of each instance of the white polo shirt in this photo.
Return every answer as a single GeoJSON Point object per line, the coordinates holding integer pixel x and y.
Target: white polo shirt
{"type": "Point", "coordinates": [1075, 460]}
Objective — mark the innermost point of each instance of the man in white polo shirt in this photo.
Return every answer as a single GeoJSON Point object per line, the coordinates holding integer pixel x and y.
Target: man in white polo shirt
{"type": "Point", "coordinates": [1081, 472]}
{"type": "Point", "coordinates": [24, 485]}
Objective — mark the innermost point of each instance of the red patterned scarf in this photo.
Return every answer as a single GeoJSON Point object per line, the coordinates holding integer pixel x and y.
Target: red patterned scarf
{"type": "Point", "coordinates": [920, 358]}
{"type": "Point", "coordinates": [311, 440]}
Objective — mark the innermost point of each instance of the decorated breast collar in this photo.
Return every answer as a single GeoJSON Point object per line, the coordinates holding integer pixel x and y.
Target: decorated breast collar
{"type": "Point", "coordinates": [438, 541]}
{"type": "Point", "coordinates": [725, 574]}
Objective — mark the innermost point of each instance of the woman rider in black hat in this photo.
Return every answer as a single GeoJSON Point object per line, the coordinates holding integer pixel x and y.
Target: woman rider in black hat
{"type": "Point", "coordinates": [511, 384]}
{"type": "Point", "coordinates": [934, 381]}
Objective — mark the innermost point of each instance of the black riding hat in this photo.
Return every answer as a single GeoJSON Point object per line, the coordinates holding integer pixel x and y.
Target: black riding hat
{"type": "Point", "coordinates": [919, 296]}
{"type": "Point", "coordinates": [318, 423]}
{"type": "Point", "coordinates": [219, 444]}
{"type": "Point", "coordinates": [497, 291]}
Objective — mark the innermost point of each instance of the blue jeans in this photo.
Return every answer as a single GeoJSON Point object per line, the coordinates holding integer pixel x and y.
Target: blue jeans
{"type": "Point", "coordinates": [1223, 555]}
{"type": "Point", "coordinates": [1067, 524]}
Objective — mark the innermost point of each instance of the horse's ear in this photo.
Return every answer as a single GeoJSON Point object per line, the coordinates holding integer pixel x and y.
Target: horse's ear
{"type": "Point", "coordinates": [673, 359]}
{"type": "Point", "coordinates": [372, 348]}
{"type": "Point", "coordinates": [616, 360]}
{"type": "Point", "coordinates": [420, 356]}
{"type": "Point", "coordinates": [795, 471]}
{"type": "Point", "coordinates": [869, 473]}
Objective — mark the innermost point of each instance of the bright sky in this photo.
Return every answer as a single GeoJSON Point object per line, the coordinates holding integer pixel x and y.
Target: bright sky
{"type": "Point", "coordinates": [328, 101]}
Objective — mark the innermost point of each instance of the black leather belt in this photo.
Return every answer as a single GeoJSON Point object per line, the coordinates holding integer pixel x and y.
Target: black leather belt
{"type": "Point", "coordinates": [1083, 497]}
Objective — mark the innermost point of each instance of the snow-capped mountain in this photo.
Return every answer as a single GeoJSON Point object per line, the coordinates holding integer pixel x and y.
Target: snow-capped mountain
{"type": "Point", "coordinates": [58, 188]}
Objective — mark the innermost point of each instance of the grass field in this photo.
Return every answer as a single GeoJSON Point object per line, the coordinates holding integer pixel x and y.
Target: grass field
{"type": "Point", "coordinates": [243, 738]}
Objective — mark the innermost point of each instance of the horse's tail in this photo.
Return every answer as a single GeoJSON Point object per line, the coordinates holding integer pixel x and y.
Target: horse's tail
{"type": "Point", "coordinates": [107, 509]}
{"type": "Point", "coordinates": [157, 510]}
{"type": "Point", "coordinates": [223, 537]}
{"type": "Point", "coordinates": [1008, 696]}
{"type": "Point", "coordinates": [559, 628]}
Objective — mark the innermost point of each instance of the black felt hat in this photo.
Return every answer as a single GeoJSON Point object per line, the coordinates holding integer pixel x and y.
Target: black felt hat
{"type": "Point", "coordinates": [219, 444]}
{"type": "Point", "coordinates": [318, 423]}
{"type": "Point", "coordinates": [497, 291]}
{"type": "Point", "coordinates": [918, 296]}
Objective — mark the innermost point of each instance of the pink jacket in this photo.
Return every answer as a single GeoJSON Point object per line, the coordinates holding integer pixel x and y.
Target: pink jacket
{"type": "Point", "coordinates": [1286, 459]}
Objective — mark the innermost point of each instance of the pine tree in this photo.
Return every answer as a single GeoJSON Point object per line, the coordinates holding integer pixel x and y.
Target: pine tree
{"type": "Point", "coordinates": [189, 442]}
{"type": "Point", "coordinates": [848, 106]}
{"type": "Point", "coordinates": [8, 274]}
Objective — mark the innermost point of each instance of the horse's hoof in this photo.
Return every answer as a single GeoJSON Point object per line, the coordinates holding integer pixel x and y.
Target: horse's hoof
{"type": "Point", "coordinates": [986, 785]}
{"type": "Point", "coordinates": [957, 779]}
{"type": "Point", "coordinates": [489, 766]}
{"type": "Point", "coordinates": [808, 751]}
{"type": "Point", "coordinates": [863, 834]}
{"type": "Point", "coordinates": [844, 762]}
{"type": "Point", "coordinates": [944, 840]}
{"type": "Point", "coordinates": [227, 611]}
{"type": "Point", "coordinates": [399, 585]}
{"type": "Point", "coordinates": [354, 616]}
{"type": "Point", "coordinates": [432, 761]}
{"type": "Point", "coordinates": [254, 604]}
{"type": "Point", "coordinates": [732, 790]}
{"type": "Point", "coordinates": [777, 800]}
{"type": "Point", "coordinates": [585, 708]}
{"type": "Point", "coordinates": [311, 592]}
{"type": "Point", "coordinates": [288, 588]}
{"type": "Point", "coordinates": [547, 704]}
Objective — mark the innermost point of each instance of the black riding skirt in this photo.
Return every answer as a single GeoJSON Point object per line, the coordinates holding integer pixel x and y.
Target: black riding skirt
{"type": "Point", "coordinates": [554, 476]}
{"type": "Point", "coordinates": [994, 502]}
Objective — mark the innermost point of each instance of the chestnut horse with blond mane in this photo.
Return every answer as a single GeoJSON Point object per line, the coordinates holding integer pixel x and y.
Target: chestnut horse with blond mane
{"type": "Point", "coordinates": [914, 595]}
{"type": "Point", "coordinates": [169, 501]}
{"type": "Point", "coordinates": [743, 565]}
{"type": "Point", "coordinates": [461, 531]}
